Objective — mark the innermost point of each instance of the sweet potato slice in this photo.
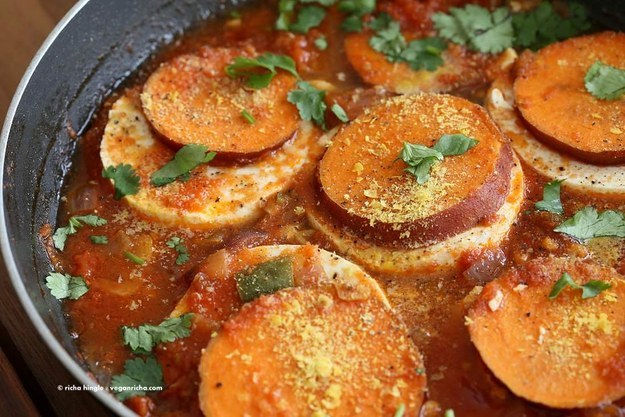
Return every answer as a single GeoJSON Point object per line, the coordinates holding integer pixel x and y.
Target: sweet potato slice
{"type": "Point", "coordinates": [190, 99]}
{"type": "Point", "coordinates": [565, 352]}
{"type": "Point", "coordinates": [364, 185]}
{"type": "Point", "coordinates": [553, 100]}
{"type": "Point", "coordinates": [305, 352]}
{"type": "Point", "coordinates": [461, 69]}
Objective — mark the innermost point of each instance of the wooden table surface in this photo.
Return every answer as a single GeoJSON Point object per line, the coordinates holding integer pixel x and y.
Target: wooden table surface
{"type": "Point", "coordinates": [29, 373]}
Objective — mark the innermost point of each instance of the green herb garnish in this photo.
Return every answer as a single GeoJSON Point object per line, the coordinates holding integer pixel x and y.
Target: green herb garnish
{"type": "Point", "coordinates": [134, 258]}
{"type": "Point", "coordinates": [476, 27]}
{"type": "Point", "coordinates": [551, 198]}
{"type": "Point", "coordinates": [285, 10]}
{"type": "Point", "coordinates": [605, 82]}
{"type": "Point", "coordinates": [137, 372]}
{"type": "Point", "coordinates": [355, 9]}
{"type": "Point", "coordinates": [307, 18]}
{"type": "Point", "coordinates": [339, 112]}
{"type": "Point", "coordinates": [419, 54]}
{"type": "Point", "coordinates": [248, 116]}
{"type": "Point", "coordinates": [541, 26]}
{"type": "Point", "coordinates": [186, 159]}
{"type": "Point", "coordinates": [310, 102]}
{"type": "Point", "coordinates": [588, 223]}
{"type": "Point", "coordinates": [420, 158]}
{"type": "Point", "coordinates": [492, 32]}
{"type": "Point", "coordinates": [177, 244]}
{"type": "Point", "coordinates": [144, 338]}
{"type": "Point", "coordinates": [99, 240]}
{"type": "Point", "coordinates": [450, 413]}
{"type": "Point", "coordinates": [266, 278]}
{"type": "Point", "coordinates": [66, 286]}
{"type": "Point", "coordinates": [321, 43]}
{"type": "Point", "coordinates": [589, 290]}
{"type": "Point", "coordinates": [400, 410]}
{"type": "Point", "coordinates": [125, 179]}
{"type": "Point", "coordinates": [75, 222]}
{"type": "Point", "coordinates": [259, 71]}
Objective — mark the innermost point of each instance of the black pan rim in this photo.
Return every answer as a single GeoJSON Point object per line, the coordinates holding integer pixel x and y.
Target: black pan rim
{"type": "Point", "coordinates": [49, 339]}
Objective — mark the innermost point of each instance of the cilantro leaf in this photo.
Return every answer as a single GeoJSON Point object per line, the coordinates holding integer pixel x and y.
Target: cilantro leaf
{"type": "Point", "coordinates": [124, 178]}
{"type": "Point", "coordinates": [75, 222]}
{"type": "Point", "coordinates": [451, 145]}
{"type": "Point", "coordinates": [261, 70]}
{"type": "Point", "coordinates": [285, 9]}
{"type": "Point", "coordinates": [420, 158]}
{"type": "Point", "coordinates": [339, 112]}
{"type": "Point", "coordinates": [389, 41]}
{"type": "Point", "coordinates": [307, 18]}
{"type": "Point", "coordinates": [605, 81]}
{"type": "Point", "coordinates": [186, 159]}
{"type": "Point", "coordinates": [476, 27]}
{"type": "Point", "coordinates": [321, 43]}
{"type": "Point", "coordinates": [589, 290]}
{"type": "Point", "coordinates": [134, 258]}
{"type": "Point", "coordinates": [588, 223]}
{"type": "Point", "coordinates": [248, 116]}
{"type": "Point", "coordinates": [66, 286]}
{"type": "Point", "coordinates": [145, 337]}
{"type": "Point", "coordinates": [551, 198]}
{"type": "Point", "coordinates": [137, 373]}
{"type": "Point", "coordinates": [424, 53]}
{"type": "Point", "coordinates": [355, 9]}
{"type": "Point", "coordinates": [542, 25]}
{"type": "Point", "coordinates": [419, 54]}
{"type": "Point", "coordinates": [99, 240]}
{"type": "Point", "coordinates": [352, 23]}
{"type": "Point", "coordinates": [310, 102]}
{"type": "Point", "coordinates": [326, 3]}
{"type": "Point", "coordinates": [177, 244]}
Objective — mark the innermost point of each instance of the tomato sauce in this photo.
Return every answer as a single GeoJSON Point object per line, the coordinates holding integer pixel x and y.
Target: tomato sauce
{"type": "Point", "coordinates": [123, 293]}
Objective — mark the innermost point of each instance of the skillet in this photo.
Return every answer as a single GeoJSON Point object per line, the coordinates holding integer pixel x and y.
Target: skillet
{"type": "Point", "coordinates": [91, 52]}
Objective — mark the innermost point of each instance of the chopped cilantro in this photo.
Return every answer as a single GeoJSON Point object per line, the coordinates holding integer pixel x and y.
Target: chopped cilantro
{"type": "Point", "coordinates": [605, 81]}
{"type": "Point", "coordinates": [99, 240]}
{"type": "Point", "coordinates": [389, 41]}
{"type": "Point", "coordinates": [125, 179]}
{"type": "Point", "coordinates": [352, 23]}
{"type": "Point", "coordinates": [137, 373]}
{"type": "Point", "coordinates": [476, 27]}
{"type": "Point", "coordinates": [588, 223]}
{"type": "Point", "coordinates": [307, 18]}
{"type": "Point", "coordinates": [400, 410]}
{"type": "Point", "coordinates": [285, 9]}
{"type": "Point", "coordinates": [450, 413]}
{"type": "Point", "coordinates": [321, 43]}
{"type": "Point", "coordinates": [75, 222]}
{"type": "Point", "coordinates": [248, 116]}
{"type": "Point", "coordinates": [144, 338]}
{"type": "Point", "coordinates": [420, 158]}
{"type": "Point", "coordinates": [551, 198]}
{"type": "Point", "coordinates": [355, 10]}
{"type": "Point", "coordinates": [326, 3]}
{"type": "Point", "coordinates": [261, 70]}
{"type": "Point", "coordinates": [339, 112]}
{"type": "Point", "coordinates": [134, 258]}
{"type": "Point", "coordinates": [66, 286]}
{"type": "Point", "coordinates": [177, 244]}
{"type": "Point", "coordinates": [419, 54]}
{"type": "Point", "coordinates": [310, 102]}
{"type": "Point", "coordinates": [266, 278]}
{"type": "Point", "coordinates": [186, 159]}
{"type": "Point", "coordinates": [491, 32]}
{"type": "Point", "coordinates": [542, 25]}
{"type": "Point", "coordinates": [589, 290]}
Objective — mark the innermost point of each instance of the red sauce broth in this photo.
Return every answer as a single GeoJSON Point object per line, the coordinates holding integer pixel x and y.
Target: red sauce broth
{"type": "Point", "coordinates": [125, 294]}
